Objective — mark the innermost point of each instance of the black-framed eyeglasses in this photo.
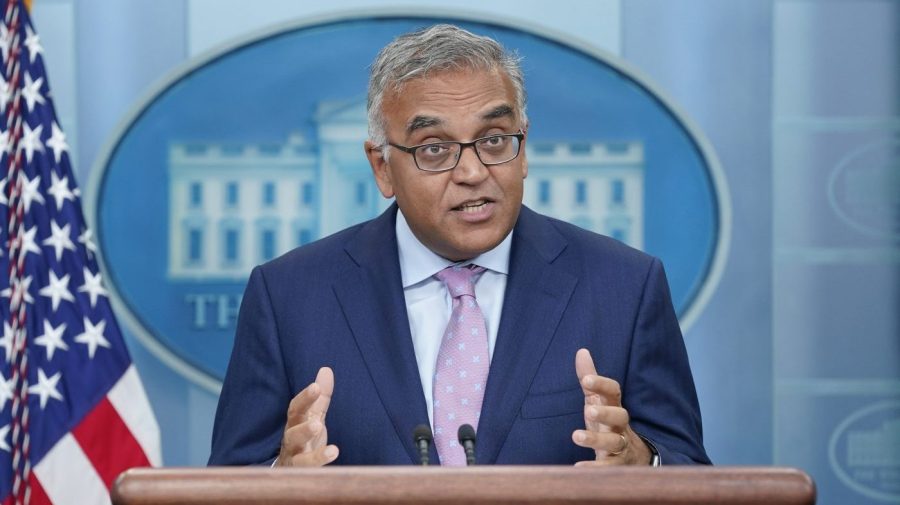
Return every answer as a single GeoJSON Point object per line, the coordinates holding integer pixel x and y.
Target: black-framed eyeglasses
{"type": "Point", "coordinates": [443, 156]}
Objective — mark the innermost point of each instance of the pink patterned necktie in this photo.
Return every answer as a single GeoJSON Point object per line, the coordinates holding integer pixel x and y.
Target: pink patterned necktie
{"type": "Point", "coordinates": [462, 365]}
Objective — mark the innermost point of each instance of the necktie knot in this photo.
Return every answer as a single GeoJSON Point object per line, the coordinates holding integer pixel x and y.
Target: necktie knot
{"type": "Point", "coordinates": [460, 280]}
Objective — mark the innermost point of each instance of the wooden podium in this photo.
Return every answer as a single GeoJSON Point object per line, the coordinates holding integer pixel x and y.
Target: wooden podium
{"type": "Point", "coordinates": [470, 486]}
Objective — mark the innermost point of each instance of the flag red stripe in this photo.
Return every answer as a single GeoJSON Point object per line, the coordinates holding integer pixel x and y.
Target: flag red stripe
{"type": "Point", "coordinates": [108, 443]}
{"type": "Point", "coordinates": [38, 495]}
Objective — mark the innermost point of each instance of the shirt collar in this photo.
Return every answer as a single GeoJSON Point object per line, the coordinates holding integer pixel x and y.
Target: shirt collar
{"type": "Point", "coordinates": [418, 262]}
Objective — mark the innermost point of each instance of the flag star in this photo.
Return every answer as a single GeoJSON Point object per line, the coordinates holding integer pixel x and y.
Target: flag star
{"type": "Point", "coordinates": [52, 339]}
{"type": "Point", "coordinates": [57, 289]}
{"type": "Point", "coordinates": [16, 292]}
{"type": "Point", "coordinates": [59, 188]}
{"type": "Point", "coordinates": [5, 97]}
{"type": "Point", "coordinates": [33, 43]}
{"type": "Point", "coordinates": [31, 140]}
{"type": "Point", "coordinates": [4, 445]}
{"type": "Point", "coordinates": [31, 92]}
{"type": "Point", "coordinates": [60, 239]}
{"type": "Point", "coordinates": [57, 142]}
{"type": "Point", "coordinates": [30, 190]}
{"type": "Point", "coordinates": [93, 336]}
{"type": "Point", "coordinates": [93, 286]}
{"type": "Point", "coordinates": [6, 390]}
{"type": "Point", "coordinates": [28, 243]}
{"type": "Point", "coordinates": [85, 239]}
{"type": "Point", "coordinates": [7, 342]}
{"type": "Point", "coordinates": [46, 387]}
{"type": "Point", "coordinates": [5, 40]}
{"type": "Point", "coordinates": [4, 135]}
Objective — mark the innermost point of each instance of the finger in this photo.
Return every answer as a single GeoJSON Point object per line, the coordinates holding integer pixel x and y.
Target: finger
{"type": "Point", "coordinates": [601, 441]}
{"type": "Point", "coordinates": [310, 401]}
{"type": "Point", "coordinates": [584, 364]}
{"type": "Point", "coordinates": [584, 369]}
{"type": "Point", "coordinates": [325, 381]}
{"type": "Point", "coordinates": [609, 391]}
{"type": "Point", "coordinates": [611, 418]}
{"type": "Point", "coordinates": [303, 436]}
{"type": "Point", "coordinates": [320, 457]}
{"type": "Point", "coordinates": [300, 404]}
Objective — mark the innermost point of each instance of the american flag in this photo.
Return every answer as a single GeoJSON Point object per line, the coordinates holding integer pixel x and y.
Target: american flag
{"type": "Point", "coordinates": [73, 413]}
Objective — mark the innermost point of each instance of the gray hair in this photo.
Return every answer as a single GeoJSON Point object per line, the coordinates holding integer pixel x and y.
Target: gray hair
{"type": "Point", "coordinates": [436, 48]}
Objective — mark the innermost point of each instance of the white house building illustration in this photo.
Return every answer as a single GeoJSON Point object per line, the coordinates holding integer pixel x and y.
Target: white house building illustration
{"type": "Point", "coordinates": [233, 206]}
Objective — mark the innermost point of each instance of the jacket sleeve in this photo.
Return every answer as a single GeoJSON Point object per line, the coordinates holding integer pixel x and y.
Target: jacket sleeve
{"type": "Point", "coordinates": [659, 391]}
{"type": "Point", "coordinates": [252, 408]}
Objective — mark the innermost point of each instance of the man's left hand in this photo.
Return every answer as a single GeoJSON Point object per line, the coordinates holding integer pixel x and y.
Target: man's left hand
{"type": "Point", "coordinates": [606, 423]}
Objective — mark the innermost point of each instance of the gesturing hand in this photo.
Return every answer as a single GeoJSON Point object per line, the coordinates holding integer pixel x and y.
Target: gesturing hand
{"type": "Point", "coordinates": [606, 423]}
{"type": "Point", "coordinates": [305, 437]}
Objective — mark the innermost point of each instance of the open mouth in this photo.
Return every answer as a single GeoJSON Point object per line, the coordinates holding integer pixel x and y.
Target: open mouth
{"type": "Point", "coordinates": [473, 206]}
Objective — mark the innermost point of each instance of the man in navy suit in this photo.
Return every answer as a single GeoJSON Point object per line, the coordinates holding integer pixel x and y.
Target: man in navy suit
{"type": "Point", "coordinates": [344, 346]}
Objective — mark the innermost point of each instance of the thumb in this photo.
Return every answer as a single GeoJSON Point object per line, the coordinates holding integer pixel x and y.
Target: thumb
{"type": "Point", "coordinates": [325, 381]}
{"type": "Point", "coordinates": [584, 364]}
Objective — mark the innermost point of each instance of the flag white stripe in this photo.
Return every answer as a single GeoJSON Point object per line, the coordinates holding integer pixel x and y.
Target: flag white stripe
{"type": "Point", "coordinates": [130, 401]}
{"type": "Point", "coordinates": [67, 475]}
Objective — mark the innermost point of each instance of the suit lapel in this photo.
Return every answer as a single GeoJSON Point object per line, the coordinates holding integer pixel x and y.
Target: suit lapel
{"type": "Point", "coordinates": [371, 295]}
{"type": "Point", "coordinates": [537, 293]}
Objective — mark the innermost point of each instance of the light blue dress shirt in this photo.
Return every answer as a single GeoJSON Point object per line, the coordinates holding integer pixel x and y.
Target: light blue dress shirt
{"type": "Point", "coordinates": [428, 303]}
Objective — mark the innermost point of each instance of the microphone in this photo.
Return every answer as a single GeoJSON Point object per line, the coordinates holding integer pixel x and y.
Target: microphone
{"type": "Point", "coordinates": [422, 437]}
{"type": "Point", "coordinates": [466, 435]}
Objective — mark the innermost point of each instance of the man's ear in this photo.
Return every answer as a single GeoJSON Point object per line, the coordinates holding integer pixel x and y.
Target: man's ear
{"type": "Point", "coordinates": [380, 168]}
{"type": "Point", "coordinates": [524, 164]}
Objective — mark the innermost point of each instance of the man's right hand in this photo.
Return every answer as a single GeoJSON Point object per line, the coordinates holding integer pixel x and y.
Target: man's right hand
{"type": "Point", "coordinates": [305, 438]}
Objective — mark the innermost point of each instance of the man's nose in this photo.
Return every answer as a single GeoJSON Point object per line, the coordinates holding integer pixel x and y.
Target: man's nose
{"type": "Point", "coordinates": [470, 170]}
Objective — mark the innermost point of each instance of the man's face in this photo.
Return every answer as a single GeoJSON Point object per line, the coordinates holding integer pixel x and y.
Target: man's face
{"type": "Point", "coordinates": [466, 211]}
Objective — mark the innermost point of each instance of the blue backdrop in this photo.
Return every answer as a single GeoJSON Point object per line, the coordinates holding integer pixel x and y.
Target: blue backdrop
{"type": "Point", "coordinates": [797, 352]}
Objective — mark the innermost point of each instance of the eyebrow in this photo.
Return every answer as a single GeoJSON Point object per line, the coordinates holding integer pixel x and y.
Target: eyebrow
{"type": "Point", "coordinates": [419, 122]}
{"type": "Point", "coordinates": [498, 112]}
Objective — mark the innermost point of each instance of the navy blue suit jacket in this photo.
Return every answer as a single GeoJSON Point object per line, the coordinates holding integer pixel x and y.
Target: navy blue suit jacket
{"type": "Point", "coordinates": [339, 302]}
